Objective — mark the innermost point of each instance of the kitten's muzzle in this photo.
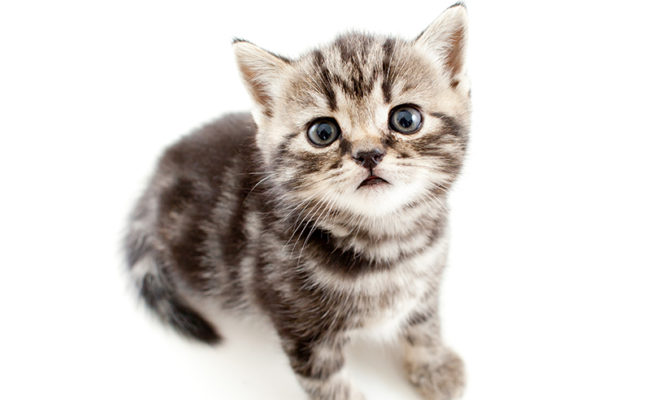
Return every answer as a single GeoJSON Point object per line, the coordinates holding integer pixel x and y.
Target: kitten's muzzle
{"type": "Point", "coordinates": [369, 159]}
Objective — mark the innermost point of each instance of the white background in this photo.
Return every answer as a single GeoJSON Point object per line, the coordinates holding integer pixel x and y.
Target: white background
{"type": "Point", "coordinates": [547, 292]}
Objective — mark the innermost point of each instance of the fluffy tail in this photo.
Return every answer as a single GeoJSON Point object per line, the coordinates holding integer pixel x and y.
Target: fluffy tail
{"type": "Point", "coordinates": [154, 285]}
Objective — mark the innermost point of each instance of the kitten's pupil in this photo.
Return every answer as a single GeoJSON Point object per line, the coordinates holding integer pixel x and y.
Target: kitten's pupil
{"type": "Point", "coordinates": [324, 132]}
{"type": "Point", "coordinates": [405, 119]}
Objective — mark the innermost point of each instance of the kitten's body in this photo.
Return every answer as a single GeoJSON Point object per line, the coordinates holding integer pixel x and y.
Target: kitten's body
{"type": "Point", "coordinates": [244, 214]}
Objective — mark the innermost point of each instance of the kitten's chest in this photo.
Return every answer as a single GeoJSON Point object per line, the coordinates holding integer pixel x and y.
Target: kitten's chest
{"type": "Point", "coordinates": [386, 301]}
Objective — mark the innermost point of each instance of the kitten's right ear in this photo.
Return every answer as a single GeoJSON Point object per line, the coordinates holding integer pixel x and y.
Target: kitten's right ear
{"type": "Point", "coordinates": [260, 70]}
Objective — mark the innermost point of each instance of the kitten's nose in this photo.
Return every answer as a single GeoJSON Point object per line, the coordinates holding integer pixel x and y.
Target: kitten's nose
{"type": "Point", "coordinates": [369, 159]}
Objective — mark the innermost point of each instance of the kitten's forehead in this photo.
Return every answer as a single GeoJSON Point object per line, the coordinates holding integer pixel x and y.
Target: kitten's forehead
{"type": "Point", "coordinates": [356, 72]}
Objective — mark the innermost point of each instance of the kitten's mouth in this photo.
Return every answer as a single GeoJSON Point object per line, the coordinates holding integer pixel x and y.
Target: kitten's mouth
{"type": "Point", "coordinates": [372, 180]}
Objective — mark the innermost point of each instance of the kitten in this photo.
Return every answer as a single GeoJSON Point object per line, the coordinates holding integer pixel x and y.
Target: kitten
{"type": "Point", "coordinates": [325, 209]}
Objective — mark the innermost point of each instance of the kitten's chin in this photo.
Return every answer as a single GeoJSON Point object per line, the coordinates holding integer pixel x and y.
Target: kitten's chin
{"type": "Point", "coordinates": [379, 198]}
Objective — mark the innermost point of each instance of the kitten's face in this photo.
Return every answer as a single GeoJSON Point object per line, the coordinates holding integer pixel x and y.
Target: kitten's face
{"type": "Point", "coordinates": [367, 124]}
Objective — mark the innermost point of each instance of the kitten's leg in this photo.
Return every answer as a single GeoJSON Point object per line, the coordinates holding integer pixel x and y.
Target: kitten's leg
{"type": "Point", "coordinates": [436, 371]}
{"type": "Point", "coordinates": [318, 365]}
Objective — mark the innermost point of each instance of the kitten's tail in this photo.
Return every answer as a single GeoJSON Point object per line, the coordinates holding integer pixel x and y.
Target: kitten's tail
{"type": "Point", "coordinates": [155, 287]}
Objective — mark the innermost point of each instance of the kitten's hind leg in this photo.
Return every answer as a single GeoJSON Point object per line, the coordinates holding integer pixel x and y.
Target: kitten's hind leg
{"type": "Point", "coordinates": [436, 371]}
{"type": "Point", "coordinates": [153, 283]}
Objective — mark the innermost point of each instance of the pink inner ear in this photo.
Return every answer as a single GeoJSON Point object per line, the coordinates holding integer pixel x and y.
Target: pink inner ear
{"type": "Point", "coordinates": [257, 88]}
{"type": "Point", "coordinates": [454, 59]}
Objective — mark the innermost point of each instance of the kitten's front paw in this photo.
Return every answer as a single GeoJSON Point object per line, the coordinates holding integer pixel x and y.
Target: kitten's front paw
{"type": "Point", "coordinates": [442, 378]}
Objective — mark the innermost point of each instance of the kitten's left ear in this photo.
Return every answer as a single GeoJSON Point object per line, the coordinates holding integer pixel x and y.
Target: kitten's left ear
{"type": "Point", "coordinates": [261, 71]}
{"type": "Point", "coordinates": [445, 39]}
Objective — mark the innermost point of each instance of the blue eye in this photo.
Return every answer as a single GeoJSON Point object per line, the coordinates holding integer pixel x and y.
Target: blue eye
{"type": "Point", "coordinates": [323, 132]}
{"type": "Point", "coordinates": [405, 119]}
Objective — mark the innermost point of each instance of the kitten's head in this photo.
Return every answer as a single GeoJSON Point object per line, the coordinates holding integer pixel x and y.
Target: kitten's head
{"type": "Point", "coordinates": [368, 124]}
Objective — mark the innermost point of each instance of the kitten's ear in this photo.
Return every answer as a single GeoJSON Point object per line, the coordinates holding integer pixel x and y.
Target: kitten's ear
{"type": "Point", "coordinates": [260, 70]}
{"type": "Point", "coordinates": [445, 39]}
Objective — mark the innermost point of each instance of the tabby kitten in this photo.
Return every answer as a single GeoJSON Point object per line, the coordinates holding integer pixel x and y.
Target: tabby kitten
{"type": "Point", "coordinates": [325, 209]}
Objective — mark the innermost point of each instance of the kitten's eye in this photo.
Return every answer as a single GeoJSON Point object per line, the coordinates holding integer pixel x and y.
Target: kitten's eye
{"type": "Point", "coordinates": [405, 119]}
{"type": "Point", "coordinates": [323, 132]}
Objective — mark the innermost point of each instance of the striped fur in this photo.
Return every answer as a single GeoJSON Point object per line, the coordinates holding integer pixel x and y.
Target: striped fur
{"type": "Point", "coordinates": [246, 214]}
